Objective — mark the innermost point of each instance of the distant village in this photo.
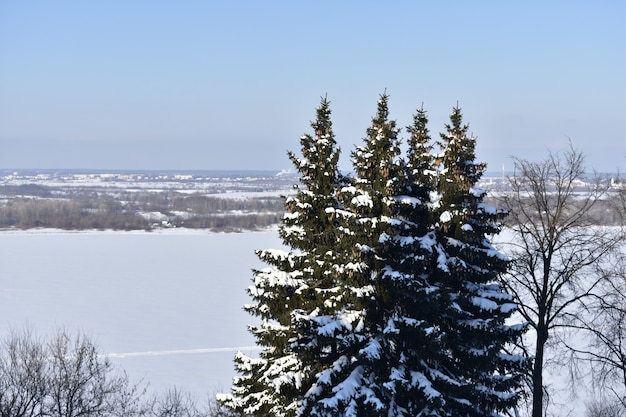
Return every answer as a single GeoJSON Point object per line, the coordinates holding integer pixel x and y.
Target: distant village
{"type": "Point", "coordinates": [132, 200]}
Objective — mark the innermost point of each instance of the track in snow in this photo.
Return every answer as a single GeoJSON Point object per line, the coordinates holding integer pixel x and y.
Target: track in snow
{"type": "Point", "coordinates": [181, 352]}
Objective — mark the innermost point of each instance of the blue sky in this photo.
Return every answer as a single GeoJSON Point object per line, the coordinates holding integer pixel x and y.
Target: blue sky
{"type": "Point", "coordinates": [233, 85]}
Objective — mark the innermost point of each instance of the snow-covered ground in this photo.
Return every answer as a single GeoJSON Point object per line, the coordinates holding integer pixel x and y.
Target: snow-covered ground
{"type": "Point", "coordinates": [167, 306]}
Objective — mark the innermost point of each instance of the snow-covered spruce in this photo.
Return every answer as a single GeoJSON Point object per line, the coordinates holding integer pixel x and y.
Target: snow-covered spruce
{"type": "Point", "coordinates": [297, 296]}
{"type": "Point", "coordinates": [386, 301]}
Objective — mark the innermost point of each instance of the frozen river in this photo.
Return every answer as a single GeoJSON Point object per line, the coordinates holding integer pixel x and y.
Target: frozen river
{"type": "Point", "coordinates": [167, 306]}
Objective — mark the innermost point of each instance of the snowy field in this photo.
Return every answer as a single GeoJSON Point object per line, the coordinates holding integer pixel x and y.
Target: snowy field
{"type": "Point", "coordinates": [167, 306]}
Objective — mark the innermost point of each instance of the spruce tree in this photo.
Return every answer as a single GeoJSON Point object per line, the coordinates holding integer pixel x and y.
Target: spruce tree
{"type": "Point", "coordinates": [386, 300]}
{"type": "Point", "coordinates": [409, 245]}
{"type": "Point", "coordinates": [290, 294]}
{"type": "Point", "coordinates": [469, 374]}
{"type": "Point", "coordinates": [354, 383]}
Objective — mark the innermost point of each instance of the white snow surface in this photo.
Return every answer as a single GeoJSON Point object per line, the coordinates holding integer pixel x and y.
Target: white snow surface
{"type": "Point", "coordinates": [165, 306]}
{"type": "Point", "coordinates": [445, 217]}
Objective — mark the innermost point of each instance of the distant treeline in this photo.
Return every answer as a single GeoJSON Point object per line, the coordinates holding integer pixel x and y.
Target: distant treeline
{"type": "Point", "coordinates": [34, 206]}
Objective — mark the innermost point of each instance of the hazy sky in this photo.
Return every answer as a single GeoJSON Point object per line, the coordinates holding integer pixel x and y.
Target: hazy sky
{"type": "Point", "coordinates": [130, 84]}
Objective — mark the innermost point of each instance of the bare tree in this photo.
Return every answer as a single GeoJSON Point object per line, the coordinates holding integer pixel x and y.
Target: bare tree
{"type": "Point", "coordinates": [604, 322]}
{"type": "Point", "coordinates": [67, 377]}
{"type": "Point", "coordinates": [175, 403]}
{"type": "Point", "coordinates": [81, 382]}
{"type": "Point", "coordinates": [555, 247]}
{"type": "Point", "coordinates": [129, 401]}
{"type": "Point", "coordinates": [23, 380]}
{"type": "Point", "coordinates": [604, 408]}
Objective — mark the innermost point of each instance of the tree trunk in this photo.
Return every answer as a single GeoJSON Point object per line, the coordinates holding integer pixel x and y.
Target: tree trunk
{"type": "Point", "coordinates": [537, 376]}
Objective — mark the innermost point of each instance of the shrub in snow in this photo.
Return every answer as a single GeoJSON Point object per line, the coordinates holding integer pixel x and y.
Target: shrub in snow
{"type": "Point", "coordinates": [67, 377]}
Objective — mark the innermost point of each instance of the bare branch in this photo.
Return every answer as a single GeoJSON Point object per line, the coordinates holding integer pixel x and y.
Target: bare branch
{"type": "Point", "coordinates": [556, 248]}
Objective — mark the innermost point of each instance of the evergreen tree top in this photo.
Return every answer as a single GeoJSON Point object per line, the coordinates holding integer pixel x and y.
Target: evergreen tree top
{"type": "Point", "coordinates": [374, 162]}
{"type": "Point", "coordinates": [458, 159]}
